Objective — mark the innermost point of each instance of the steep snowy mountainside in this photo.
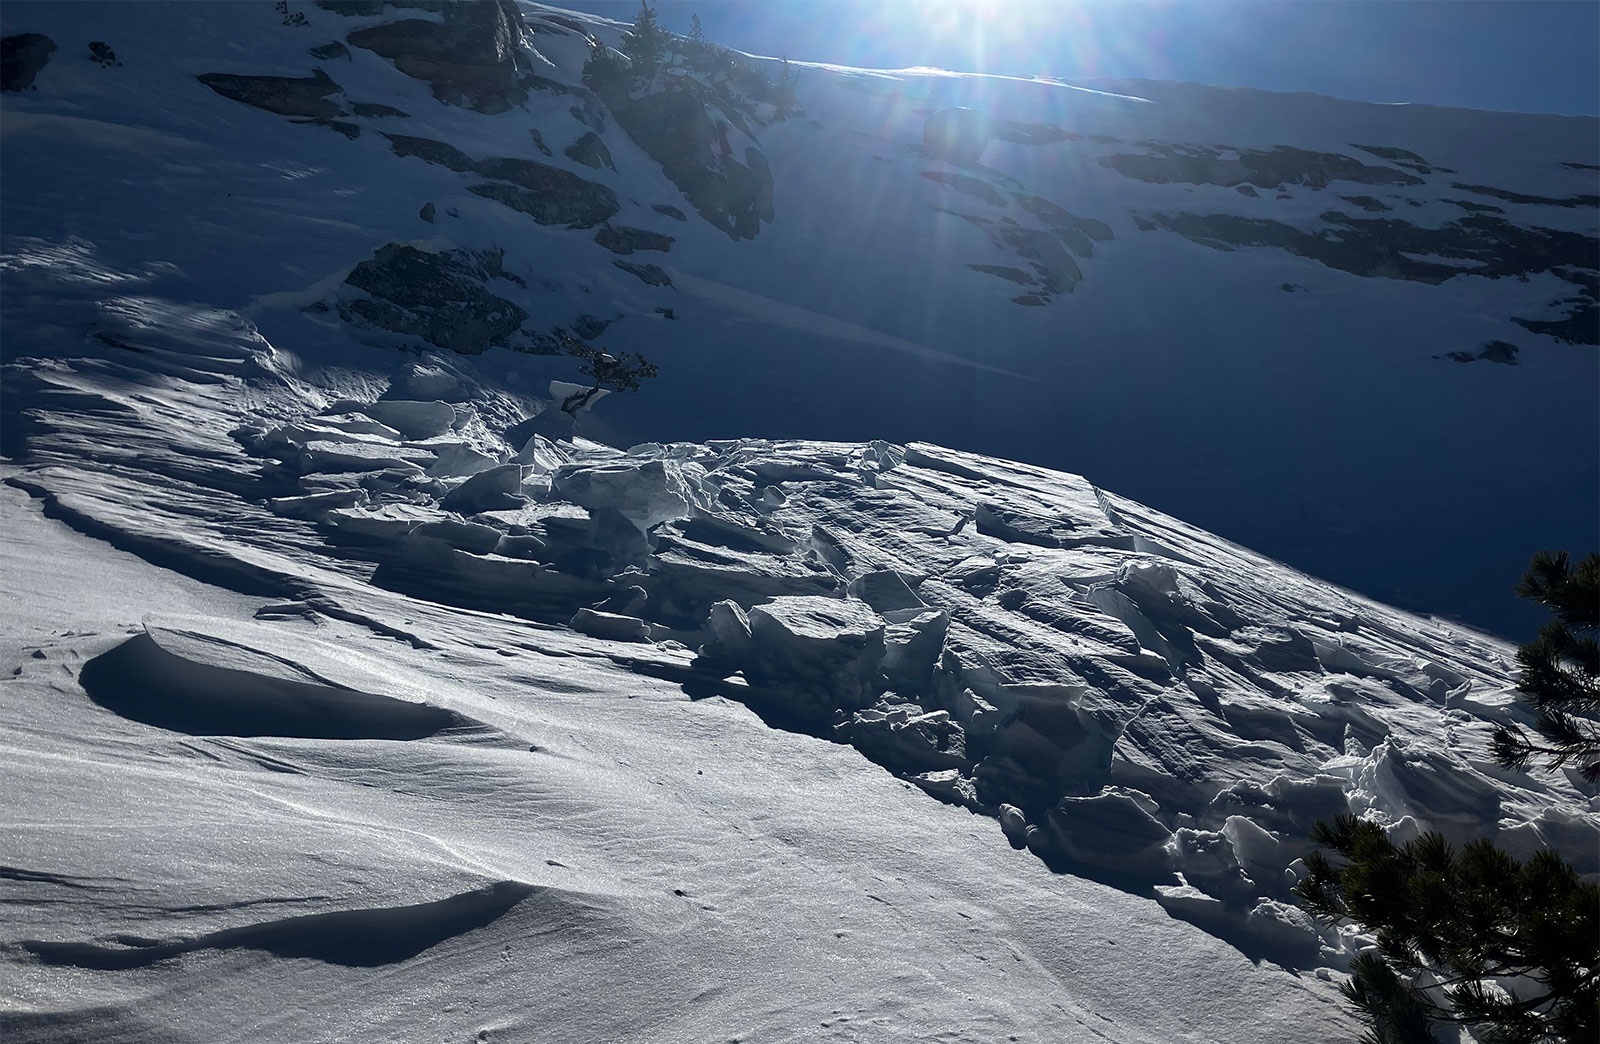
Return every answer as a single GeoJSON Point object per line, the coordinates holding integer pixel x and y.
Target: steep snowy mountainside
{"type": "Point", "coordinates": [356, 689]}
{"type": "Point", "coordinates": [1337, 332]}
{"type": "Point", "coordinates": [395, 727]}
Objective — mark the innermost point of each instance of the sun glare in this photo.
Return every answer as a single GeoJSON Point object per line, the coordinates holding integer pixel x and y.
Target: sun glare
{"type": "Point", "coordinates": [1016, 37]}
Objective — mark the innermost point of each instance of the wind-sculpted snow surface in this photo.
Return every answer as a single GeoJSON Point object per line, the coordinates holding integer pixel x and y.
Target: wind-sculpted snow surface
{"type": "Point", "coordinates": [355, 689]}
{"type": "Point", "coordinates": [448, 610]}
{"type": "Point", "coordinates": [1138, 699]}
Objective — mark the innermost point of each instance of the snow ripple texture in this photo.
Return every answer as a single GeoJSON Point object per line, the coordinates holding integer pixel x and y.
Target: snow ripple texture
{"type": "Point", "coordinates": [1131, 699]}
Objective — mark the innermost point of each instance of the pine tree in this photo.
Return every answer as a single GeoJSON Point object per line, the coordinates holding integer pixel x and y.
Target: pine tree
{"type": "Point", "coordinates": [1560, 668]}
{"type": "Point", "coordinates": [697, 35]}
{"type": "Point", "coordinates": [622, 372]}
{"type": "Point", "coordinates": [1474, 937]}
{"type": "Point", "coordinates": [646, 43]}
{"type": "Point", "coordinates": [783, 97]}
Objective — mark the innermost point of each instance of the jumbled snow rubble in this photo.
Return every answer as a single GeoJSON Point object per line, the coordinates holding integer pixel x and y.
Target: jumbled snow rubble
{"type": "Point", "coordinates": [1130, 697]}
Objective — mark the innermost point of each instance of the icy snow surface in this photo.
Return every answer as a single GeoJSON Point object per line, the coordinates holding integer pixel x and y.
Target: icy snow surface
{"type": "Point", "coordinates": [352, 693]}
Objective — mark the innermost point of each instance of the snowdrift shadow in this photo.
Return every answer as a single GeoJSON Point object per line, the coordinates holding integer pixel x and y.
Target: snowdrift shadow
{"type": "Point", "coordinates": [103, 1023]}
{"type": "Point", "coordinates": [142, 681]}
{"type": "Point", "coordinates": [353, 938]}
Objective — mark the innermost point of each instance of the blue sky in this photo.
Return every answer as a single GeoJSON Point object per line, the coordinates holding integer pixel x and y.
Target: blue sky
{"type": "Point", "coordinates": [1526, 55]}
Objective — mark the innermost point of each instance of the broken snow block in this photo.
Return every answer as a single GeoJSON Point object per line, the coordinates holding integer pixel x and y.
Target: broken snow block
{"type": "Point", "coordinates": [912, 650]}
{"type": "Point", "coordinates": [904, 740]}
{"type": "Point", "coordinates": [820, 654]}
{"type": "Point", "coordinates": [646, 492]}
{"type": "Point", "coordinates": [413, 419]}
{"type": "Point", "coordinates": [610, 626]}
{"type": "Point", "coordinates": [493, 490]}
{"type": "Point", "coordinates": [887, 592]}
{"type": "Point", "coordinates": [1110, 832]}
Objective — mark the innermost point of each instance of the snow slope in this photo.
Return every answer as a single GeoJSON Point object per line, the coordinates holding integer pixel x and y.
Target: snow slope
{"type": "Point", "coordinates": [353, 694]}
{"type": "Point", "coordinates": [1310, 410]}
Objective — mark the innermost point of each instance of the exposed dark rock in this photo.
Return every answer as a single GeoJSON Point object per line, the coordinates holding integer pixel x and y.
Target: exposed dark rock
{"type": "Point", "coordinates": [373, 110]}
{"type": "Point", "coordinates": [1080, 243]}
{"type": "Point", "coordinates": [427, 212]}
{"type": "Point", "coordinates": [1499, 352]}
{"type": "Point", "coordinates": [1391, 154]}
{"type": "Point", "coordinates": [1581, 166]}
{"type": "Point", "coordinates": [349, 130]}
{"type": "Point", "coordinates": [101, 54]}
{"type": "Point", "coordinates": [1590, 202]}
{"type": "Point", "coordinates": [1371, 204]}
{"type": "Point", "coordinates": [1016, 275]}
{"type": "Point", "coordinates": [552, 196]}
{"type": "Point", "coordinates": [1580, 326]}
{"type": "Point", "coordinates": [1282, 165]}
{"type": "Point", "coordinates": [329, 51]}
{"type": "Point", "coordinates": [431, 151]}
{"type": "Point", "coordinates": [284, 95]}
{"type": "Point", "coordinates": [589, 327]}
{"type": "Point", "coordinates": [470, 59]}
{"type": "Point", "coordinates": [669, 211]}
{"type": "Point", "coordinates": [1494, 351]}
{"type": "Point", "coordinates": [623, 239]}
{"type": "Point", "coordinates": [1401, 158]}
{"type": "Point", "coordinates": [1029, 133]}
{"type": "Point", "coordinates": [970, 185]}
{"type": "Point", "coordinates": [956, 136]}
{"type": "Point", "coordinates": [676, 129]}
{"type": "Point", "coordinates": [1246, 190]}
{"type": "Point", "coordinates": [1380, 246]}
{"type": "Point", "coordinates": [1043, 209]}
{"type": "Point", "coordinates": [538, 141]}
{"type": "Point", "coordinates": [1292, 288]}
{"type": "Point", "coordinates": [21, 58]}
{"type": "Point", "coordinates": [1079, 233]}
{"type": "Point", "coordinates": [439, 297]}
{"type": "Point", "coordinates": [1058, 272]}
{"type": "Point", "coordinates": [650, 275]}
{"type": "Point", "coordinates": [1467, 204]}
{"type": "Point", "coordinates": [353, 8]}
{"type": "Point", "coordinates": [1032, 300]}
{"type": "Point", "coordinates": [590, 151]}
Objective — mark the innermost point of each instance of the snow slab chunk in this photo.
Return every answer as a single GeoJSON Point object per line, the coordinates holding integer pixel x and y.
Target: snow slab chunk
{"type": "Point", "coordinates": [645, 492]}
{"type": "Point", "coordinates": [412, 418]}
